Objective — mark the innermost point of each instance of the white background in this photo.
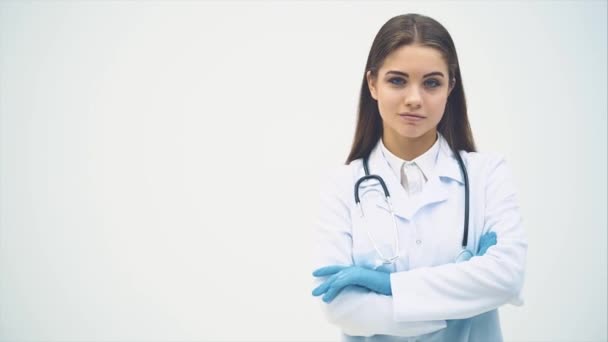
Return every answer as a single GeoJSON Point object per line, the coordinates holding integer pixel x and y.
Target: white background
{"type": "Point", "coordinates": [160, 161]}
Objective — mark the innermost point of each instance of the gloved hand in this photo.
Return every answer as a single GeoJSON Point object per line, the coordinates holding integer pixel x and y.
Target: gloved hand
{"type": "Point", "coordinates": [486, 241]}
{"type": "Point", "coordinates": [342, 276]}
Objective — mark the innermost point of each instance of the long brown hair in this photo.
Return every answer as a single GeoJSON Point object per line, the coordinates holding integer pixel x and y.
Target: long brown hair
{"type": "Point", "coordinates": [399, 31]}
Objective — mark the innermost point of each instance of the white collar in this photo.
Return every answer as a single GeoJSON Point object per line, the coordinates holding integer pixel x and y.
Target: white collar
{"type": "Point", "coordinates": [434, 191]}
{"type": "Point", "coordinates": [426, 161]}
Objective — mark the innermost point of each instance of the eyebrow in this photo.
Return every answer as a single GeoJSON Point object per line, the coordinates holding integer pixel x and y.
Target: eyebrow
{"type": "Point", "coordinates": [406, 75]}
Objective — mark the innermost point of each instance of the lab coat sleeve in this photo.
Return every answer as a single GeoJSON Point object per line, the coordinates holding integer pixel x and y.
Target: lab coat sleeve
{"type": "Point", "coordinates": [357, 311]}
{"type": "Point", "coordinates": [463, 290]}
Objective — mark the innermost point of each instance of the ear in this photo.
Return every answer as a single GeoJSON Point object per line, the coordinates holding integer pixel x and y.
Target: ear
{"type": "Point", "coordinates": [371, 83]}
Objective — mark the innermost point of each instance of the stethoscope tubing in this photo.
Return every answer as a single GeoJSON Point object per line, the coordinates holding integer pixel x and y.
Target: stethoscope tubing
{"type": "Point", "coordinates": [369, 176]}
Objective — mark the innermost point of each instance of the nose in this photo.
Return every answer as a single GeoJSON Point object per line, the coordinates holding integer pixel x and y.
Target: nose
{"type": "Point", "coordinates": [412, 97]}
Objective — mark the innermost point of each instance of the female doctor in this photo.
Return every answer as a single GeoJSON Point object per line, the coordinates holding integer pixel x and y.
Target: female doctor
{"type": "Point", "coordinates": [413, 243]}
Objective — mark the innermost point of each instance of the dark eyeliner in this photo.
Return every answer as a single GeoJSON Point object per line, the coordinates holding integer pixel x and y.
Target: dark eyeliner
{"type": "Point", "coordinates": [396, 78]}
{"type": "Point", "coordinates": [435, 82]}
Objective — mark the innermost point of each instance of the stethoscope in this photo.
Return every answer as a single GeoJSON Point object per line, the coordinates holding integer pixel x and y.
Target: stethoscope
{"type": "Point", "coordinates": [464, 254]}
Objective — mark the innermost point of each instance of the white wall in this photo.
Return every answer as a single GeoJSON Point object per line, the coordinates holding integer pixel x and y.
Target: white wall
{"type": "Point", "coordinates": [160, 160]}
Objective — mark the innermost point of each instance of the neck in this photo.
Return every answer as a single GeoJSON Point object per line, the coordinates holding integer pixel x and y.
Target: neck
{"type": "Point", "coordinates": [409, 148]}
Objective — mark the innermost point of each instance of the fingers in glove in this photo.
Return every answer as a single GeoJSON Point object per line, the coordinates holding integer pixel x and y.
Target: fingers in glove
{"type": "Point", "coordinates": [328, 270]}
{"type": "Point", "coordinates": [321, 289]}
{"type": "Point", "coordinates": [332, 293]}
{"type": "Point", "coordinates": [486, 241]}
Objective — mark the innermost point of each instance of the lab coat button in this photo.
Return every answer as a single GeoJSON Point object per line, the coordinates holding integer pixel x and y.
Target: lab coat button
{"type": "Point", "coordinates": [418, 242]}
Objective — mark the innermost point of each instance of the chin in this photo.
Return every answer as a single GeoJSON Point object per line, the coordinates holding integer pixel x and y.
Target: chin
{"type": "Point", "coordinates": [412, 133]}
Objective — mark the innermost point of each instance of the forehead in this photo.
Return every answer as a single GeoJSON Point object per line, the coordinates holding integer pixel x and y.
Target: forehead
{"type": "Point", "coordinates": [415, 59]}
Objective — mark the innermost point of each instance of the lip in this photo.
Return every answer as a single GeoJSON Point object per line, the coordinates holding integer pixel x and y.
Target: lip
{"type": "Point", "coordinates": [412, 114]}
{"type": "Point", "coordinates": [410, 117]}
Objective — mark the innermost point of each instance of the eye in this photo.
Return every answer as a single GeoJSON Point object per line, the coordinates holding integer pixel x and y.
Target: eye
{"type": "Point", "coordinates": [397, 81]}
{"type": "Point", "coordinates": [432, 83]}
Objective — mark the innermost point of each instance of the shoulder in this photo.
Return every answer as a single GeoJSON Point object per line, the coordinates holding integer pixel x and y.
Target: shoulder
{"type": "Point", "coordinates": [484, 163]}
{"type": "Point", "coordinates": [479, 165]}
{"type": "Point", "coordinates": [339, 180]}
{"type": "Point", "coordinates": [492, 172]}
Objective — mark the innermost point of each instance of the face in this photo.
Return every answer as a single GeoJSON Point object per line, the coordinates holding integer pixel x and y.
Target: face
{"type": "Point", "coordinates": [414, 80]}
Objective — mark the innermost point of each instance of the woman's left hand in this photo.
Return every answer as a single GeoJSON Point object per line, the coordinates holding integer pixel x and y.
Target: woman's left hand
{"type": "Point", "coordinates": [342, 276]}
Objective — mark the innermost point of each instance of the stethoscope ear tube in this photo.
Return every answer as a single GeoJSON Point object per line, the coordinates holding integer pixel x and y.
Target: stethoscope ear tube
{"type": "Point", "coordinates": [368, 177]}
{"type": "Point", "coordinates": [385, 260]}
{"type": "Point", "coordinates": [465, 237]}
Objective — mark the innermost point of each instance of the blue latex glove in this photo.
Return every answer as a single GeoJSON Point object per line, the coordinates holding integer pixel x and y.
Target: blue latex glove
{"type": "Point", "coordinates": [343, 276]}
{"type": "Point", "coordinates": [486, 241]}
{"type": "Point", "coordinates": [377, 281]}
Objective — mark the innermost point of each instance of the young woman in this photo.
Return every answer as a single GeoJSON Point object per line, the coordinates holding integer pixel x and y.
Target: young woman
{"type": "Point", "coordinates": [415, 242]}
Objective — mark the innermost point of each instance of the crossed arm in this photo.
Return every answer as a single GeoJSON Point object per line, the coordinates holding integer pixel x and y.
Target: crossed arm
{"type": "Point", "coordinates": [340, 276]}
{"type": "Point", "coordinates": [365, 302]}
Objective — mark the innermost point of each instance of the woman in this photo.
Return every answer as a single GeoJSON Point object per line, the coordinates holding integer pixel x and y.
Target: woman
{"type": "Point", "coordinates": [397, 269]}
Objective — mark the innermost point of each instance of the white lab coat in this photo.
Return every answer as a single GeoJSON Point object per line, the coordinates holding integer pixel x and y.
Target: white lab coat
{"type": "Point", "coordinates": [434, 299]}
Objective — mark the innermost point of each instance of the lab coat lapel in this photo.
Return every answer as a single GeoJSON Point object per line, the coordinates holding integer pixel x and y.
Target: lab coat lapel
{"type": "Point", "coordinates": [399, 199]}
{"type": "Point", "coordinates": [436, 188]}
{"type": "Point", "coordinates": [434, 191]}
{"type": "Point", "coordinates": [447, 165]}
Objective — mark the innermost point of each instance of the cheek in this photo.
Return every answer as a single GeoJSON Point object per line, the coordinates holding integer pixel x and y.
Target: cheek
{"type": "Point", "coordinates": [436, 105]}
{"type": "Point", "coordinates": [389, 99]}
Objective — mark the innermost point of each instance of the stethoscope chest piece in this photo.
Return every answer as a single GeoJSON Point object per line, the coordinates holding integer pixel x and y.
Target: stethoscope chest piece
{"type": "Point", "coordinates": [464, 255]}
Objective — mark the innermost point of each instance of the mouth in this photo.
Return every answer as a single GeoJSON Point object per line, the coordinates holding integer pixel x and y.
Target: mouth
{"type": "Point", "coordinates": [410, 118]}
{"type": "Point", "coordinates": [411, 115]}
